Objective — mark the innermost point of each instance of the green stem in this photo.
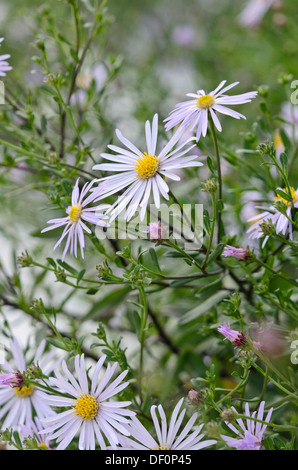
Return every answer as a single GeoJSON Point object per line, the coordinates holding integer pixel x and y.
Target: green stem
{"type": "Point", "coordinates": [219, 178]}
{"type": "Point", "coordinates": [212, 231]}
{"type": "Point", "coordinates": [142, 336]}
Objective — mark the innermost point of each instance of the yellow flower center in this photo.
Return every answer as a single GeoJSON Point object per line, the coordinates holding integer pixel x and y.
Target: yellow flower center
{"type": "Point", "coordinates": [24, 391]}
{"type": "Point", "coordinates": [75, 213]}
{"type": "Point", "coordinates": [43, 446]}
{"type": "Point", "coordinates": [86, 406]}
{"type": "Point", "coordinates": [278, 142]}
{"type": "Point", "coordinates": [147, 166]}
{"type": "Point", "coordinates": [293, 194]}
{"type": "Point", "coordinates": [160, 448]}
{"type": "Point", "coordinates": [206, 102]}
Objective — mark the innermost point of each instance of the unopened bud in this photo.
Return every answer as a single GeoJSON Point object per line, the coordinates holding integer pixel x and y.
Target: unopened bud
{"type": "Point", "coordinates": [194, 397]}
{"type": "Point", "coordinates": [24, 261]}
{"type": "Point", "coordinates": [209, 186]}
{"type": "Point", "coordinates": [229, 415]}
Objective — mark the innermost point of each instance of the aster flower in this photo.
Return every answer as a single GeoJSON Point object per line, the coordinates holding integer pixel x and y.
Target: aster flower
{"type": "Point", "coordinates": [249, 437]}
{"type": "Point", "coordinates": [237, 338]}
{"type": "Point", "coordinates": [18, 404]}
{"type": "Point", "coordinates": [193, 114]}
{"type": "Point", "coordinates": [280, 221]}
{"type": "Point", "coordinates": [78, 214]}
{"type": "Point", "coordinates": [87, 410]}
{"type": "Point", "coordinates": [4, 65]}
{"type": "Point", "coordinates": [156, 231]}
{"type": "Point", "coordinates": [254, 12]}
{"type": "Point", "coordinates": [167, 438]}
{"type": "Point", "coordinates": [239, 253]}
{"type": "Point", "coordinates": [14, 379]}
{"type": "Point", "coordinates": [142, 172]}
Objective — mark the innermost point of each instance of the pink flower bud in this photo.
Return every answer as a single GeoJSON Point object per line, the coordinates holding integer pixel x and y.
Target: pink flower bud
{"type": "Point", "coordinates": [156, 231]}
{"type": "Point", "coordinates": [14, 379]}
{"type": "Point", "coordinates": [235, 337]}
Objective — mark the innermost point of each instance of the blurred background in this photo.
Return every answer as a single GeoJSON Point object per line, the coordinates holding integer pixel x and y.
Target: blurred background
{"type": "Point", "coordinates": [164, 49]}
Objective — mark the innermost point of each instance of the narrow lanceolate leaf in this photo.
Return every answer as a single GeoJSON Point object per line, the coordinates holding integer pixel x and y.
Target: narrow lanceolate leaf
{"type": "Point", "coordinates": [203, 307]}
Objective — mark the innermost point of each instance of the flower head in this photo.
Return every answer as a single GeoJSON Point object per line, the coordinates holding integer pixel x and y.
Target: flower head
{"type": "Point", "coordinates": [249, 437]}
{"type": "Point", "coordinates": [156, 231]}
{"type": "Point", "coordinates": [193, 114]}
{"type": "Point", "coordinates": [88, 410]}
{"type": "Point", "coordinates": [18, 404]}
{"type": "Point", "coordinates": [281, 221]}
{"type": "Point", "coordinates": [4, 65]}
{"type": "Point", "coordinates": [78, 214]}
{"type": "Point", "coordinates": [14, 379]}
{"type": "Point", "coordinates": [143, 172]}
{"type": "Point", "coordinates": [237, 338]}
{"type": "Point", "coordinates": [167, 435]}
{"type": "Point", "coordinates": [239, 253]}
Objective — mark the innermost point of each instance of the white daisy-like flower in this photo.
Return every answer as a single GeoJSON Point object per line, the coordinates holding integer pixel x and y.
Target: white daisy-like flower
{"type": "Point", "coordinates": [19, 404]}
{"type": "Point", "coordinates": [193, 114]}
{"type": "Point", "coordinates": [143, 172]}
{"type": "Point", "coordinates": [281, 222]}
{"type": "Point", "coordinates": [78, 214]}
{"type": "Point", "coordinates": [249, 437]}
{"type": "Point", "coordinates": [167, 437]}
{"type": "Point", "coordinates": [4, 65]}
{"type": "Point", "coordinates": [88, 410]}
{"type": "Point", "coordinates": [254, 12]}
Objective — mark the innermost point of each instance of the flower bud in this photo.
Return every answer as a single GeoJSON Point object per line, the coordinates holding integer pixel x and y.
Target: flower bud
{"type": "Point", "coordinates": [228, 415]}
{"type": "Point", "coordinates": [194, 397]}
{"type": "Point", "coordinates": [237, 338]}
{"type": "Point", "coordinates": [13, 379]}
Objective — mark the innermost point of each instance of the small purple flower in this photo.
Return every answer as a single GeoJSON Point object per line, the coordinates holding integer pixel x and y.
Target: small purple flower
{"type": "Point", "coordinates": [156, 231]}
{"type": "Point", "coordinates": [239, 253]}
{"type": "Point", "coordinates": [237, 338]}
{"type": "Point", "coordinates": [250, 437]}
{"type": "Point", "coordinates": [14, 379]}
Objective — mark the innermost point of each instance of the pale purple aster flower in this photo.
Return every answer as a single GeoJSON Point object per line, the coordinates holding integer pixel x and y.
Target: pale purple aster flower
{"type": "Point", "coordinates": [193, 114]}
{"type": "Point", "coordinates": [167, 437]}
{"type": "Point", "coordinates": [239, 253]}
{"type": "Point", "coordinates": [249, 437]}
{"type": "Point", "coordinates": [4, 65]}
{"type": "Point", "coordinates": [88, 411]}
{"type": "Point", "coordinates": [142, 172]}
{"type": "Point", "coordinates": [78, 214]}
{"type": "Point", "coordinates": [282, 223]}
{"type": "Point", "coordinates": [254, 12]}
{"type": "Point", "coordinates": [18, 405]}
{"type": "Point", "coordinates": [237, 338]}
{"type": "Point", "coordinates": [156, 231]}
{"type": "Point", "coordinates": [14, 379]}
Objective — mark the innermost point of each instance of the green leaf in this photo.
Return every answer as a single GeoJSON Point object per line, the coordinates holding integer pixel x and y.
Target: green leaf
{"type": "Point", "coordinates": [215, 254]}
{"type": "Point", "coordinates": [115, 297]}
{"type": "Point", "coordinates": [52, 263]}
{"type": "Point", "coordinates": [80, 276]}
{"type": "Point", "coordinates": [204, 307]}
{"type": "Point", "coordinates": [66, 266]}
{"type": "Point", "coordinates": [283, 195]}
{"type": "Point", "coordinates": [154, 259]}
{"type": "Point", "coordinates": [284, 162]}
